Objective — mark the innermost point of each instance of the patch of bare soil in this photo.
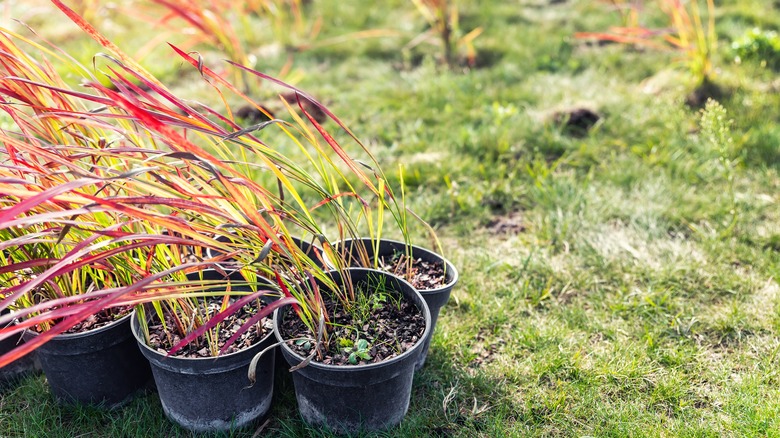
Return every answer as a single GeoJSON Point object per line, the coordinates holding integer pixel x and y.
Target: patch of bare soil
{"type": "Point", "coordinates": [509, 224]}
{"type": "Point", "coordinates": [249, 113]}
{"type": "Point", "coordinates": [484, 58]}
{"type": "Point", "coordinates": [701, 94]}
{"type": "Point", "coordinates": [484, 350]}
{"type": "Point", "coordinates": [576, 122]}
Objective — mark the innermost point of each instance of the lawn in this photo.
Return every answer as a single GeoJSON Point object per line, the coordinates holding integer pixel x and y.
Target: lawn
{"type": "Point", "coordinates": [616, 281]}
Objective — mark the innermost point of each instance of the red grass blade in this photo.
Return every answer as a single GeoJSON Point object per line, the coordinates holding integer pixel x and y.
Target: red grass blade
{"type": "Point", "coordinates": [84, 311]}
{"type": "Point", "coordinates": [26, 205]}
{"type": "Point", "coordinates": [221, 316]}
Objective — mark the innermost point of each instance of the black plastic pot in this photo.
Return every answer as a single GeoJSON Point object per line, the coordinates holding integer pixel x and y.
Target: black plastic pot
{"type": "Point", "coordinates": [229, 266]}
{"type": "Point", "coordinates": [435, 298]}
{"type": "Point", "coordinates": [309, 250]}
{"type": "Point", "coordinates": [101, 366]}
{"type": "Point", "coordinates": [351, 398]}
{"type": "Point", "coordinates": [18, 368]}
{"type": "Point", "coordinates": [211, 274]}
{"type": "Point", "coordinates": [212, 394]}
{"type": "Point", "coordinates": [215, 275]}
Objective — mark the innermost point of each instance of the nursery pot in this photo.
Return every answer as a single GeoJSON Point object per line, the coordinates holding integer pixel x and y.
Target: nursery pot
{"type": "Point", "coordinates": [19, 367]}
{"type": "Point", "coordinates": [212, 394]}
{"type": "Point", "coordinates": [435, 298]}
{"type": "Point", "coordinates": [101, 366]}
{"type": "Point", "coordinates": [351, 398]}
{"type": "Point", "coordinates": [229, 266]}
{"type": "Point", "coordinates": [309, 250]}
{"type": "Point", "coordinates": [214, 275]}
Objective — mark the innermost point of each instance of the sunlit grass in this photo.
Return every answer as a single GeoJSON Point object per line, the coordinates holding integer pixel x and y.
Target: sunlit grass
{"type": "Point", "coordinates": [616, 304]}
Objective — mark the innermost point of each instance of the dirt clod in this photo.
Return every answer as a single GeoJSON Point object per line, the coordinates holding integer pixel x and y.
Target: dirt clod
{"type": "Point", "coordinates": [576, 121]}
{"type": "Point", "coordinates": [510, 224]}
{"type": "Point", "coordinates": [707, 90]}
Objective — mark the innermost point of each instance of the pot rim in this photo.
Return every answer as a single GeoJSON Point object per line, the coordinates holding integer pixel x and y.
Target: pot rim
{"type": "Point", "coordinates": [448, 265]}
{"type": "Point", "coordinates": [347, 368]}
{"type": "Point", "coordinates": [225, 265]}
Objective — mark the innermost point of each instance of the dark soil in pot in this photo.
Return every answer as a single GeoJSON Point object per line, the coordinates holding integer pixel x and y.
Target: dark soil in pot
{"type": "Point", "coordinates": [213, 394]}
{"type": "Point", "coordinates": [371, 391]}
{"type": "Point", "coordinates": [389, 327]}
{"type": "Point", "coordinates": [162, 342]}
{"type": "Point", "coordinates": [235, 276]}
{"type": "Point", "coordinates": [432, 275]}
{"type": "Point", "coordinates": [97, 366]}
{"type": "Point", "coordinates": [101, 319]}
{"type": "Point", "coordinates": [423, 275]}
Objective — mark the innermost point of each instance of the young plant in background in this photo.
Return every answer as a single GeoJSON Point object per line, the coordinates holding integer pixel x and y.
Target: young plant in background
{"type": "Point", "coordinates": [687, 31]}
{"type": "Point", "coordinates": [89, 9]}
{"type": "Point", "coordinates": [716, 130]}
{"type": "Point", "coordinates": [291, 26]}
{"type": "Point", "coordinates": [212, 22]}
{"type": "Point", "coordinates": [229, 27]}
{"type": "Point", "coordinates": [444, 26]}
{"type": "Point", "coordinates": [628, 10]}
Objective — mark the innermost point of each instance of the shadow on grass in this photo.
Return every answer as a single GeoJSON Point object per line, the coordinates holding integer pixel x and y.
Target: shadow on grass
{"type": "Point", "coordinates": [28, 409]}
{"type": "Point", "coordinates": [447, 400]}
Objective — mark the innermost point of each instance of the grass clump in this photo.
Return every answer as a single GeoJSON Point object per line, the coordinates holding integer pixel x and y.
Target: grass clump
{"type": "Point", "coordinates": [757, 45]}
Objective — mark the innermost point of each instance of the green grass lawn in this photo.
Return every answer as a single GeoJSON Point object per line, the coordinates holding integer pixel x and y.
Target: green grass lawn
{"type": "Point", "coordinates": [617, 283]}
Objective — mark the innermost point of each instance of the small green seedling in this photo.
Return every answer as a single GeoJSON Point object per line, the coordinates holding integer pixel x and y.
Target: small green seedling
{"type": "Point", "coordinates": [356, 350]}
{"type": "Point", "coordinates": [304, 343]}
{"type": "Point", "coordinates": [372, 297]}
